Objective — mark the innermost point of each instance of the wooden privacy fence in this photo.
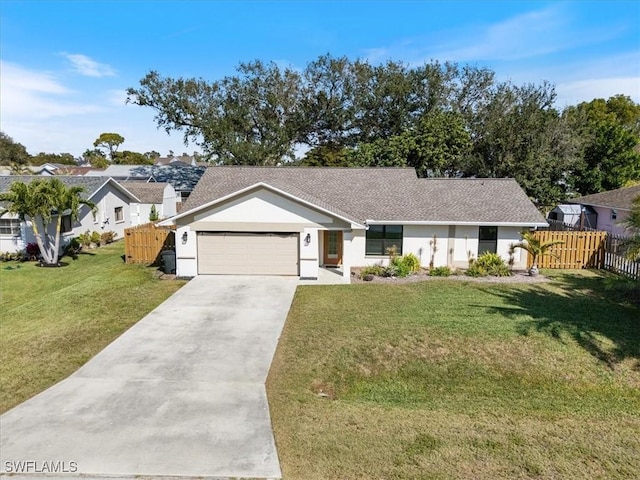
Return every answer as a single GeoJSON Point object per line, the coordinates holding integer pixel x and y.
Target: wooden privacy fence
{"type": "Point", "coordinates": [144, 243]}
{"type": "Point", "coordinates": [586, 250]}
{"type": "Point", "coordinates": [579, 250]}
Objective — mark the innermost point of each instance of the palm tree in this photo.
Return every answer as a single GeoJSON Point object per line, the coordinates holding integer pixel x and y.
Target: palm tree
{"type": "Point", "coordinates": [632, 244]}
{"type": "Point", "coordinates": [40, 201]}
{"type": "Point", "coordinates": [537, 248]}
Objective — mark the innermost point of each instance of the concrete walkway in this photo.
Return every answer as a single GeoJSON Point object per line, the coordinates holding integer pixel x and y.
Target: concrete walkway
{"type": "Point", "coordinates": [181, 393]}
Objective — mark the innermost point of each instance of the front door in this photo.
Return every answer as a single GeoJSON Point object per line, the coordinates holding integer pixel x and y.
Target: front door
{"type": "Point", "coordinates": [332, 247]}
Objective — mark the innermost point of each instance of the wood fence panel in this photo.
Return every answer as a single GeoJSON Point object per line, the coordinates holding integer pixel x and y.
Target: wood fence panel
{"type": "Point", "coordinates": [578, 250]}
{"type": "Point", "coordinates": [144, 243]}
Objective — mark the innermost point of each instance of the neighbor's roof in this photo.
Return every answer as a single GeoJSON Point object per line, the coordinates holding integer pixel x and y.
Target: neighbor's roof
{"type": "Point", "coordinates": [147, 192]}
{"type": "Point", "coordinates": [90, 184]}
{"type": "Point", "coordinates": [378, 194]}
{"type": "Point", "coordinates": [182, 177]}
{"type": "Point", "coordinates": [621, 198]}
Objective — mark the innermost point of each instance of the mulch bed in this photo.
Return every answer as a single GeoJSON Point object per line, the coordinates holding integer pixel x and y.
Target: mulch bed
{"type": "Point", "coordinates": [518, 276]}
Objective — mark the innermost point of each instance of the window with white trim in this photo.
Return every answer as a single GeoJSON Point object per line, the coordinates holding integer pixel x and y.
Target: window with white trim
{"type": "Point", "coordinates": [382, 237]}
{"type": "Point", "coordinates": [118, 213]}
{"type": "Point", "coordinates": [9, 226]}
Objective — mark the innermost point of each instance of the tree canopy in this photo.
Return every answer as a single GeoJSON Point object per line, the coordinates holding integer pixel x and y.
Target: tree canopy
{"type": "Point", "coordinates": [444, 119]}
{"type": "Point", "coordinates": [12, 152]}
{"type": "Point", "coordinates": [43, 202]}
{"type": "Point", "coordinates": [108, 143]}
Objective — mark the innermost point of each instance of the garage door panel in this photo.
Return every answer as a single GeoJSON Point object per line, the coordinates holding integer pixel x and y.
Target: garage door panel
{"type": "Point", "coordinates": [248, 253]}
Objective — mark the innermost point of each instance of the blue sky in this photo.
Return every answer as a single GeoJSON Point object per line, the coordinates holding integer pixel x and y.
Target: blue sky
{"type": "Point", "coordinates": [66, 65]}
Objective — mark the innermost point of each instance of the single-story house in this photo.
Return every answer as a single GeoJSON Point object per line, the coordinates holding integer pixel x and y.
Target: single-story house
{"type": "Point", "coordinates": [295, 220]}
{"type": "Point", "coordinates": [613, 207]}
{"type": "Point", "coordinates": [158, 194]}
{"type": "Point", "coordinates": [113, 211]}
{"type": "Point", "coordinates": [183, 178]}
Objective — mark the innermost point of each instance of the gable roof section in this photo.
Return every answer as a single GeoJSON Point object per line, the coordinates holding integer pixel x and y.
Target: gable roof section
{"type": "Point", "coordinates": [622, 198]}
{"type": "Point", "coordinates": [377, 195]}
{"type": "Point", "coordinates": [146, 192]}
{"type": "Point", "coordinates": [91, 185]}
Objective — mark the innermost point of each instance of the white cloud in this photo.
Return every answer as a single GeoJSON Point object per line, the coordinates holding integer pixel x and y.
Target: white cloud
{"type": "Point", "coordinates": [523, 36]}
{"type": "Point", "coordinates": [87, 66]}
{"type": "Point", "coordinates": [31, 94]}
{"type": "Point", "coordinates": [528, 35]}
{"type": "Point", "coordinates": [571, 93]}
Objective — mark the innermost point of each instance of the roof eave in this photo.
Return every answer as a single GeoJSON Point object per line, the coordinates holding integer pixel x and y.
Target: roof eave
{"type": "Point", "coordinates": [455, 222]}
{"type": "Point", "coordinates": [238, 193]}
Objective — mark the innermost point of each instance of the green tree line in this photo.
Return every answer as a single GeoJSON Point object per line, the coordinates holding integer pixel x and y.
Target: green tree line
{"type": "Point", "coordinates": [444, 119]}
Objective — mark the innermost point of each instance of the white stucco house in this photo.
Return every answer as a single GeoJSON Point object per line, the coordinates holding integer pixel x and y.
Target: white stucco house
{"type": "Point", "coordinates": [113, 211]}
{"type": "Point", "coordinates": [612, 208]}
{"type": "Point", "coordinates": [296, 220]}
{"type": "Point", "coordinates": [150, 194]}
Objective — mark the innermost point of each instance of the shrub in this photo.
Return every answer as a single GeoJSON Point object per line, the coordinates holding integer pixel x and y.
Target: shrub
{"type": "Point", "coordinates": [440, 272]}
{"type": "Point", "coordinates": [489, 264]}
{"type": "Point", "coordinates": [107, 237]}
{"type": "Point", "coordinates": [32, 252]}
{"type": "Point", "coordinates": [85, 239]}
{"type": "Point", "coordinates": [411, 262]}
{"type": "Point", "coordinates": [72, 248]}
{"type": "Point", "coordinates": [11, 256]}
{"type": "Point", "coordinates": [377, 270]}
{"type": "Point", "coordinates": [153, 214]}
{"type": "Point", "coordinates": [95, 238]}
{"type": "Point", "coordinates": [397, 268]}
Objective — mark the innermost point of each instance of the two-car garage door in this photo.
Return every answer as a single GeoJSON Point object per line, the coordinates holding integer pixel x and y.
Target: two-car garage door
{"type": "Point", "coordinates": [230, 253]}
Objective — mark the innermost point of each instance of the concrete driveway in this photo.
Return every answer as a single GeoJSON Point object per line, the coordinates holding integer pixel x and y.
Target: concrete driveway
{"type": "Point", "coordinates": [181, 393]}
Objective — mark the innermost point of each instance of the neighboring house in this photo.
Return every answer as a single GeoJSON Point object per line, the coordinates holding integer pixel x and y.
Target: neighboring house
{"type": "Point", "coordinates": [294, 220]}
{"type": "Point", "coordinates": [612, 207]}
{"type": "Point", "coordinates": [182, 177]}
{"type": "Point", "coordinates": [113, 211]}
{"type": "Point", "coordinates": [162, 195]}
{"type": "Point", "coordinates": [182, 159]}
{"type": "Point", "coordinates": [577, 216]}
{"type": "Point", "coordinates": [46, 169]}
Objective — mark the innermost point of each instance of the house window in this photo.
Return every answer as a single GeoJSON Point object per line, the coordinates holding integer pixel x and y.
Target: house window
{"type": "Point", "coordinates": [10, 226]}
{"type": "Point", "coordinates": [382, 237]}
{"type": "Point", "coordinates": [614, 214]}
{"type": "Point", "coordinates": [67, 224]}
{"type": "Point", "coordinates": [487, 240]}
{"type": "Point", "coordinates": [119, 214]}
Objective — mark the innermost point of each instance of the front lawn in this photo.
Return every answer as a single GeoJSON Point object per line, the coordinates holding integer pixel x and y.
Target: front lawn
{"type": "Point", "coordinates": [453, 379]}
{"type": "Point", "coordinates": [52, 320]}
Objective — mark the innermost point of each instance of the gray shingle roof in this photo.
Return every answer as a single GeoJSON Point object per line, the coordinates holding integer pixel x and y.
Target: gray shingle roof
{"type": "Point", "coordinates": [147, 192]}
{"type": "Point", "coordinates": [621, 198]}
{"type": "Point", "coordinates": [379, 194]}
{"type": "Point", "coordinates": [90, 184]}
{"type": "Point", "coordinates": [182, 177]}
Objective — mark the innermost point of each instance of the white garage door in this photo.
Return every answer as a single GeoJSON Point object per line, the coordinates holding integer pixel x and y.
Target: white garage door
{"type": "Point", "coordinates": [247, 253]}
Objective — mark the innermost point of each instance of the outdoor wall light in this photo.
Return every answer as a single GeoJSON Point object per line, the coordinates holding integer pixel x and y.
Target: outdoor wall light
{"type": "Point", "coordinates": [184, 237]}
{"type": "Point", "coordinates": [307, 239]}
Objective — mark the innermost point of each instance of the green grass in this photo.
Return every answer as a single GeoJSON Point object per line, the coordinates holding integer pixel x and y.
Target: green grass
{"type": "Point", "coordinates": [454, 379]}
{"type": "Point", "coordinates": [52, 320]}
